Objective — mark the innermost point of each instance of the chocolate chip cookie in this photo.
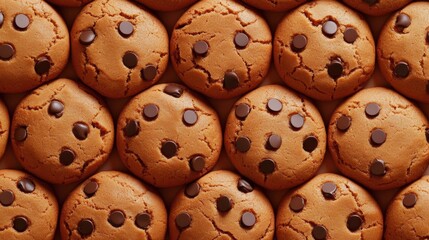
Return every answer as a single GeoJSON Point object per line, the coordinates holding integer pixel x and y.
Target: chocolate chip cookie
{"type": "Point", "coordinates": [380, 139]}
{"type": "Point", "coordinates": [61, 132]}
{"type": "Point", "coordinates": [324, 50]}
{"type": "Point", "coordinates": [168, 136]}
{"type": "Point", "coordinates": [4, 127]}
{"type": "Point", "coordinates": [275, 137]}
{"type": "Point", "coordinates": [136, 43]}
{"type": "Point", "coordinates": [166, 5]}
{"type": "Point", "coordinates": [221, 49]}
{"type": "Point", "coordinates": [329, 207]}
{"type": "Point", "coordinates": [275, 5]}
{"type": "Point", "coordinates": [112, 205]}
{"type": "Point", "coordinates": [29, 209]}
{"type": "Point", "coordinates": [70, 3]}
{"type": "Point", "coordinates": [221, 205]}
{"type": "Point", "coordinates": [403, 54]}
{"type": "Point", "coordinates": [34, 44]}
{"type": "Point", "coordinates": [377, 7]}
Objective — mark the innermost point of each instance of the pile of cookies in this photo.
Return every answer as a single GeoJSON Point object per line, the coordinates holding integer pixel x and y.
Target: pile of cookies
{"type": "Point", "coordinates": [113, 142]}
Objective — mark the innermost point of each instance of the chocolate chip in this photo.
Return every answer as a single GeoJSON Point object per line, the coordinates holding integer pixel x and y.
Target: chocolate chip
{"type": "Point", "coordinates": [20, 133]}
{"type": "Point", "coordinates": [297, 121]}
{"type": "Point", "coordinates": [1, 19]}
{"type": "Point", "coordinates": [190, 117]}
{"type": "Point", "coordinates": [7, 198]}
{"type": "Point", "coordinates": [56, 108]}
{"type": "Point", "coordinates": [85, 227]}
{"type": "Point", "coordinates": [350, 35]}
{"type": "Point", "coordinates": [201, 48]}
{"type": "Point", "coordinates": [67, 157]}
{"type": "Point", "coordinates": [319, 232]}
{"type": "Point", "coordinates": [427, 134]}
{"type": "Point", "coordinates": [267, 166]}
{"type": "Point", "coordinates": [87, 37]}
{"type": "Point", "coordinates": [343, 123]}
{"type": "Point", "coordinates": [354, 222]}
{"type": "Point", "coordinates": [378, 168]}
{"type": "Point", "coordinates": [230, 80]}
{"type": "Point", "coordinates": [409, 200]}
{"type": "Point", "coordinates": [149, 72]}
{"type": "Point", "coordinates": [6, 51]}
{"type": "Point", "coordinates": [26, 185]}
{"type": "Point", "coordinates": [80, 130]}
{"type": "Point", "coordinates": [248, 219]}
{"type": "Point", "coordinates": [174, 90]}
{"type": "Point", "coordinates": [274, 142]}
{"type": "Point", "coordinates": [130, 60]}
{"type": "Point", "coordinates": [150, 111]}
{"type": "Point", "coordinates": [310, 144]}
{"type": "Point", "coordinates": [297, 203]}
{"type": "Point", "coordinates": [90, 188]}
{"type": "Point", "coordinates": [371, 2]}
{"type": "Point", "coordinates": [401, 70]}
{"type": "Point", "coordinates": [20, 224]}
{"type": "Point", "coordinates": [335, 68]}
{"type": "Point", "coordinates": [183, 220]}
{"type": "Point", "coordinates": [274, 105]}
{"type": "Point", "coordinates": [21, 22]}
{"type": "Point", "coordinates": [242, 144]}
{"type": "Point", "coordinates": [244, 186]}
{"type": "Point", "coordinates": [402, 21]}
{"type": "Point", "coordinates": [116, 218]}
{"type": "Point", "coordinates": [329, 28]}
{"type": "Point", "coordinates": [125, 29]}
{"type": "Point", "coordinates": [378, 137]}
{"type": "Point", "coordinates": [241, 40]}
{"type": "Point", "coordinates": [143, 220]}
{"type": "Point", "coordinates": [169, 149]}
{"type": "Point", "coordinates": [223, 204]}
{"type": "Point", "coordinates": [197, 163]}
{"type": "Point", "coordinates": [43, 64]}
{"type": "Point", "coordinates": [299, 42]}
{"type": "Point", "coordinates": [132, 128]}
{"type": "Point", "coordinates": [192, 190]}
{"type": "Point", "coordinates": [329, 189]}
{"type": "Point", "coordinates": [372, 110]}
{"type": "Point", "coordinates": [242, 110]}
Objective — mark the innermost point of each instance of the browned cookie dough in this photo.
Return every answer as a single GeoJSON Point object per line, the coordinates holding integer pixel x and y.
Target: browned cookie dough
{"type": "Point", "coordinates": [61, 132]}
{"type": "Point", "coordinates": [70, 3]}
{"type": "Point", "coordinates": [324, 50]}
{"type": "Point", "coordinates": [380, 139]}
{"type": "Point", "coordinates": [403, 54]}
{"type": "Point", "coordinates": [221, 205]}
{"type": "Point", "coordinates": [118, 48]}
{"type": "Point", "coordinates": [113, 205]}
{"type": "Point", "coordinates": [4, 127]}
{"type": "Point", "coordinates": [376, 7]}
{"type": "Point", "coordinates": [274, 5]}
{"type": "Point", "coordinates": [28, 207]}
{"type": "Point", "coordinates": [275, 137]}
{"type": "Point", "coordinates": [329, 207]}
{"type": "Point", "coordinates": [166, 5]}
{"type": "Point", "coordinates": [168, 136]}
{"type": "Point", "coordinates": [34, 44]}
{"type": "Point", "coordinates": [408, 213]}
{"type": "Point", "coordinates": [221, 49]}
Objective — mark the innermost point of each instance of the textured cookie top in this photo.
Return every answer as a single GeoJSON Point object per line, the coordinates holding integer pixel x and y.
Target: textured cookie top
{"type": "Point", "coordinates": [136, 43]}
{"type": "Point", "coordinates": [220, 48]}
{"type": "Point", "coordinates": [70, 3]}
{"type": "Point", "coordinates": [61, 132]}
{"type": "Point", "coordinates": [168, 136]}
{"type": "Point", "coordinates": [380, 139]}
{"type": "Point", "coordinates": [34, 45]}
{"type": "Point", "coordinates": [4, 127]}
{"type": "Point", "coordinates": [29, 209]}
{"type": "Point", "coordinates": [403, 54]}
{"type": "Point", "coordinates": [166, 5]}
{"type": "Point", "coordinates": [221, 205]}
{"type": "Point", "coordinates": [274, 5]}
{"type": "Point", "coordinates": [111, 205]}
{"type": "Point", "coordinates": [377, 7]}
{"type": "Point", "coordinates": [324, 50]}
{"type": "Point", "coordinates": [275, 137]}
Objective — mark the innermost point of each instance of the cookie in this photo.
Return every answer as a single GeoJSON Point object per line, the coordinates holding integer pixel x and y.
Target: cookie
{"type": "Point", "coordinates": [408, 212]}
{"type": "Point", "coordinates": [168, 136]}
{"type": "Point", "coordinates": [34, 45]}
{"type": "Point", "coordinates": [29, 209]}
{"type": "Point", "coordinates": [275, 137]}
{"type": "Point", "coordinates": [324, 50]}
{"type": "Point", "coordinates": [4, 127]}
{"type": "Point", "coordinates": [274, 5]}
{"type": "Point", "coordinates": [61, 132]}
{"type": "Point", "coordinates": [221, 49]}
{"type": "Point", "coordinates": [69, 3]}
{"type": "Point", "coordinates": [221, 205]}
{"type": "Point", "coordinates": [166, 5]}
{"type": "Point", "coordinates": [402, 51]}
{"type": "Point", "coordinates": [329, 207]}
{"type": "Point", "coordinates": [376, 7]}
{"type": "Point", "coordinates": [111, 205]}
{"type": "Point", "coordinates": [380, 139]}
{"type": "Point", "coordinates": [136, 42]}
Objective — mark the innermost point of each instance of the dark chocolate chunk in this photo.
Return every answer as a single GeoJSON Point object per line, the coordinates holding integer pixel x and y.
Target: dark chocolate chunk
{"type": "Point", "coordinates": [90, 188]}
{"type": "Point", "coordinates": [401, 70]}
{"type": "Point", "coordinates": [26, 185]}
{"type": "Point", "coordinates": [174, 90]}
{"type": "Point", "coordinates": [80, 130]}
{"type": "Point", "coordinates": [402, 21]}
{"type": "Point", "coordinates": [354, 222]}
{"type": "Point", "coordinates": [242, 110]}
{"type": "Point", "coordinates": [267, 166]}
{"type": "Point", "coordinates": [335, 68]}
{"type": "Point", "coordinates": [149, 72]}
{"type": "Point", "coordinates": [131, 129]}
{"type": "Point", "coordinates": [244, 186]}
{"type": "Point", "coordinates": [409, 200]}
{"type": "Point", "coordinates": [329, 189]}
{"type": "Point", "coordinates": [43, 64]}
{"type": "Point", "coordinates": [183, 220]}
{"type": "Point", "coordinates": [223, 204]}
{"type": "Point", "coordinates": [350, 35]}
{"type": "Point", "coordinates": [297, 203]}
{"type": "Point", "coordinates": [378, 137]}
{"type": "Point", "coordinates": [310, 144]}
{"type": "Point", "coordinates": [169, 149]}
{"type": "Point", "coordinates": [130, 60]}
{"type": "Point", "coordinates": [242, 144]}
{"type": "Point", "coordinates": [143, 220]}
{"type": "Point", "coordinates": [67, 156]}
{"type": "Point", "coordinates": [299, 42]}
{"type": "Point", "coordinates": [6, 51]}
{"type": "Point", "coordinates": [116, 218]}
{"type": "Point", "coordinates": [85, 227]}
{"type": "Point", "coordinates": [319, 232]}
{"type": "Point", "coordinates": [7, 198]}
{"type": "Point", "coordinates": [56, 108]}
{"type": "Point", "coordinates": [343, 123]}
{"type": "Point", "coordinates": [20, 134]}
{"type": "Point", "coordinates": [230, 80]}
{"type": "Point", "coordinates": [192, 190]}
{"type": "Point", "coordinates": [378, 168]}
{"type": "Point", "coordinates": [197, 163]}
{"type": "Point", "coordinates": [20, 224]}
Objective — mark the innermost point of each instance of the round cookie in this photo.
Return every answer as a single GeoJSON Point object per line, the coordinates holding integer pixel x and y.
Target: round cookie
{"type": "Point", "coordinates": [275, 137]}
{"type": "Point", "coordinates": [166, 5]}
{"type": "Point", "coordinates": [70, 3]}
{"type": "Point", "coordinates": [34, 45]}
{"type": "Point", "coordinates": [136, 42]}
{"type": "Point", "coordinates": [168, 136]}
{"type": "Point", "coordinates": [221, 205]}
{"type": "Point", "coordinates": [403, 54]}
{"type": "Point", "coordinates": [380, 139]}
{"type": "Point", "coordinates": [4, 127]}
{"type": "Point", "coordinates": [61, 132]}
{"type": "Point", "coordinates": [275, 5]}
{"type": "Point", "coordinates": [111, 205]}
{"type": "Point", "coordinates": [324, 50]}
{"type": "Point", "coordinates": [29, 209]}
{"type": "Point", "coordinates": [329, 207]}
{"type": "Point", "coordinates": [376, 7]}
{"type": "Point", "coordinates": [221, 49]}
{"type": "Point", "coordinates": [408, 214]}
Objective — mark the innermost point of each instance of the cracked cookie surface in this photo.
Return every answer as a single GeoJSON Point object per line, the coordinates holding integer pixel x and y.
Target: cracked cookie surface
{"type": "Point", "coordinates": [221, 49]}
{"type": "Point", "coordinates": [376, 7]}
{"type": "Point", "coordinates": [402, 51]}
{"type": "Point", "coordinates": [329, 207]}
{"type": "Point", "coordinates": [111, 205]}
{"type": "Point", "coordinates": [275, 137]}
{"type": "Point", "coordinates": [275, 5]}
{"type": "Point", "coordinates": [61, 132]}
{"type": "Point", "coordinates": [29, 209]}
{"type": "Point", "coordinates": [4, 127]}
{"type": "Point", "coordinates": [342, 42]}
{"type": "Point", "coordinates": [168, 136]}
{"type": "Point", "coordinates": [136, 42]}
{"type": "Point", "coordinates": [34, 47]}
{"type": "Point", "coordinates": [380, 139]}
{"type": "Point", "coordinates": [70, 3]}
{"type": "Point", "coordinates": [221, 205]}
{"type": "Point", "coordinates": [166, 5]}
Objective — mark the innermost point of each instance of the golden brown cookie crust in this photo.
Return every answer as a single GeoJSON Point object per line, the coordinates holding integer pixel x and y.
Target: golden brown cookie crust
{"type": "Point", "coordinates": [4, 127]}
{"type": "Point", "coordinates": [167, 5]}
{"type": "Point", "coordinates": [205, 73]}
{"type": "Point", "coordinates": [274, 5]}
{"type": "Point", "coordinates": [70, 3]}
{"type": "Point", "coordinates": [47, 135]}
{"type": "Point", "coordinates": [378, 8]}
{"type": "Point", "coordinates": [115, 191]}
{"type": "Point", "coordinates": [293, 164]}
